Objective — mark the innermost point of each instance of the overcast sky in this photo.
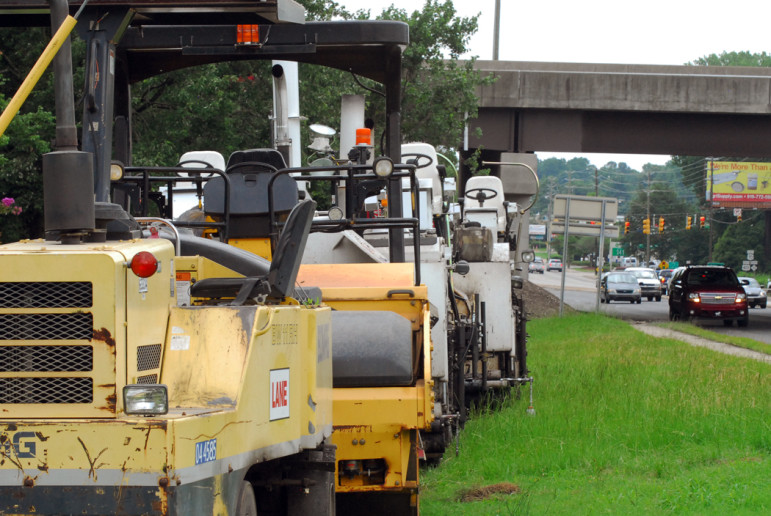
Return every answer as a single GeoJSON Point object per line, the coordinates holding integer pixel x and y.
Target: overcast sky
{"type": "Point", "coordinates": [670, 32]}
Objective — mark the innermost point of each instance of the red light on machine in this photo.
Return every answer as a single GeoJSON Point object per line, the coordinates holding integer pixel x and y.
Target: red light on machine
{"type": "Point", "coordinates": [363, 136]}
{"type": "Point", "coordinates": [144, 264]}
{"type": "Point", "coordinates": [248, 34]}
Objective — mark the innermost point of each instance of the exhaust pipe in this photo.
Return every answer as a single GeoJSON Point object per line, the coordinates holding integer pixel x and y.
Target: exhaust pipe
{"type": "Point", "coordinates": [68, 174]}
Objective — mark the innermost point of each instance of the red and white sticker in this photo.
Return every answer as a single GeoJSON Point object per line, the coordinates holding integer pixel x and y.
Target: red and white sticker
{"type": "Point", "coordinates": [279, 394]}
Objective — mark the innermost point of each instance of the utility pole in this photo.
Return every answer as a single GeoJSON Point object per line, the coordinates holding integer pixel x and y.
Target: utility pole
{"type": "Point", "coordinates": [552, 189]}
{"type": "Point", "coordinates": [648, 216]}
{"type": "Point", "coordinates": [496, 29]}
{"type": "Point", "coordinates": [711, 204]}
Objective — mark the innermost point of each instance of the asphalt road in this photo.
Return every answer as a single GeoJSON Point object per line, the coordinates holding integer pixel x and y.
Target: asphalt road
{"type": "Point", "coordinates": [580, 293]}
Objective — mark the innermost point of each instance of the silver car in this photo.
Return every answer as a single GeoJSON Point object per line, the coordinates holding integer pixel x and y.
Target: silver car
{"type": "Point", "coordinates": [755, 294]}
{"type": "Point", "coordinates": [620, 286]}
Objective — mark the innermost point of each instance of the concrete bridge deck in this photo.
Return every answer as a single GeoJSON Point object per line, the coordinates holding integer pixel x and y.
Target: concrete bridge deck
{"type": "Point", "coordinates": [636, 109]}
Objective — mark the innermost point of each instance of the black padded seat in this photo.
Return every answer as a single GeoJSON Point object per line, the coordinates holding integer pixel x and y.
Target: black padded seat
{"type": "Point", "coordinates": [250, 172]}
{"type": "Point", "coordinates": [270, 157]}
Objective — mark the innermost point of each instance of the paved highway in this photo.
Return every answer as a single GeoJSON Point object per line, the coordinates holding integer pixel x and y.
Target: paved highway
{"type": "Point", "coordinates": [581, 294]}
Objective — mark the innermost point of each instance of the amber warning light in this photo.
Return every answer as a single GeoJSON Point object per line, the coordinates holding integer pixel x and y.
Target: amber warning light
{"type": "Point", "coordinates": [364, 136]}
{"type": "Point", "coordinates": [248, 34]}
{"type": "Point", "coordinates": [144, 264]}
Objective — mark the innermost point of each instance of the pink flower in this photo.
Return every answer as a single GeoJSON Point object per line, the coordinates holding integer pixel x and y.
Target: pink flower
{"type": "Point", "coordinates": [8, 201]}
{"type": "Point", "coordinates": [17, 210]}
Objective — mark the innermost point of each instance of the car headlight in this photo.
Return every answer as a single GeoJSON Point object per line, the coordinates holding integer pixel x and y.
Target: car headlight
{"type": "Point", "coordinates": [741, 298]}
{"type": "Point", "coordinates": [694, 296]}
{"type": "Point", "coordinates": [528, 256]}
{"type": "Point", "coordinates": [636, 291]}
{"type": "Point", "coordinates": [145, 399]}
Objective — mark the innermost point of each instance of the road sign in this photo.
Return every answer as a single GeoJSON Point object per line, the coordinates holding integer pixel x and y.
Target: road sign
{"type": "Point", "coordinates": [618, 251]}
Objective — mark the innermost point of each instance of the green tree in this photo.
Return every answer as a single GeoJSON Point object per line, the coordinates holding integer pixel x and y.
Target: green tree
{"type": "Point", "coordinates": [738, 237]}
{"type": "Point", "coordinates": [21, 148]}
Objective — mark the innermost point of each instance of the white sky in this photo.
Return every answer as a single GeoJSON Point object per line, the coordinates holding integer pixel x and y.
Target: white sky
{"type": "Point", "coordinates": [671, 32]}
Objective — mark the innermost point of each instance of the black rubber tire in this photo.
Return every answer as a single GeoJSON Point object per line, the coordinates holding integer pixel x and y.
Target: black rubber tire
{"type": "Point", "coordinates": [658, 298]}
{"type": "Point", "coordinates": [727, 322]}
{"type": "Point", "coordinates": [743, 323]}
{"type": "Point", "coordinates": [639, 300]}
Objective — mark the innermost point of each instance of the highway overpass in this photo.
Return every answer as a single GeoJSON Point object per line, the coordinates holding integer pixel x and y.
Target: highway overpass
{"type": "Point", "coordinates": [634, 109]}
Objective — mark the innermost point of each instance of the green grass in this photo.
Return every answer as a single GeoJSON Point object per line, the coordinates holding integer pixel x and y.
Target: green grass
{"type": "Point", "coordinates": [625, 424]}
{"type": "Point", "coordinates": [698, 331]}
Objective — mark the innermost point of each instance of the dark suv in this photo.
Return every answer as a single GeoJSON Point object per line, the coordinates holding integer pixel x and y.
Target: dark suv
{"type": "Point", "coordinates": [707, 292]}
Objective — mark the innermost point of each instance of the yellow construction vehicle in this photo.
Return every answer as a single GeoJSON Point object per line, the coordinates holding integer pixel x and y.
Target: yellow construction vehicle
{"type": "Point", "coordinates": [179, 374]}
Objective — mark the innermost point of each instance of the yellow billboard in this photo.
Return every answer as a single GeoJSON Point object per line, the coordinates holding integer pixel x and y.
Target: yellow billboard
{"type": "Point", "coordinates": [739, 181]}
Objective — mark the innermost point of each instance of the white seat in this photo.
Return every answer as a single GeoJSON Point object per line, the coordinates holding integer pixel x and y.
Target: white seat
{"type": "Point", "coordinates": [409, 152]}
{"type": "Point", "coordinates": [484, 202]}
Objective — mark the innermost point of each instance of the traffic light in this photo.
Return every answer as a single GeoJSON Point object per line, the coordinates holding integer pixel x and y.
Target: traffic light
{"type": "Point", "coordinates": [626, 227]}
{"type": "Point", "coordinates": [661, 224]}
{"type": "Point", "coordinates": [647, 226]}
{"type": "Point", "coordinates": [739, 216]}
{"type": "Point", "coordinates": [702, 220]}
{"type": "Point", "coordinates": [688, 221]}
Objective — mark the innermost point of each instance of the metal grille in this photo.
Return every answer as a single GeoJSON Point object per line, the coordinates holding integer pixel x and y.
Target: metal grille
{"type": "Point", "coordinates": [70, 294]}
{"type": "Point", "coordinates": [46, 358]}
{"type": "Point", "coordinates": [717, 298]}
{"type": "Point", "coordinates": [74, 326]}
{"type": "Point", "coordinates": [148, 357]}
{"type": "Point", "coordinates": [46, 390]}
{"type": "Point", "coordinates": [148, 378]}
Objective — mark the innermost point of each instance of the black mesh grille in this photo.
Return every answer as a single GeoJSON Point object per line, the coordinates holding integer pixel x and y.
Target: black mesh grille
{"type": "Point", "coordinates": [46, 390]}
{"type": "Point", "coordinates": [148, 378]}
{"type": "Point", "coordinates": [148, 357]}
{"type": "Point", "coordinates": [73, 326]}
{"type": "Point", "coordinates": [71, 294]}
{"type": "Point", "coordinates": [46, 358]}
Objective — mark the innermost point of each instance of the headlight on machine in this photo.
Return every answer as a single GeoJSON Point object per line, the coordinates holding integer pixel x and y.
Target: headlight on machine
{"type": "Point", "coordinates": [145, 399]}
{"type": "Point", "coordinates": [383, 167]}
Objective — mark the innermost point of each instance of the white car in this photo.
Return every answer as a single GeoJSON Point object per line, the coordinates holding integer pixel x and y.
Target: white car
{"type": "Point", "coordinates": [648, 280]}
{"type": "Point", "coordinates": [756, 296]}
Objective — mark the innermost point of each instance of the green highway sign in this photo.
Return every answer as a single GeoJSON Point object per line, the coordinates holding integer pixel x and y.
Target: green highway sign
{"type": "Point", "coordinates": [618, 251]}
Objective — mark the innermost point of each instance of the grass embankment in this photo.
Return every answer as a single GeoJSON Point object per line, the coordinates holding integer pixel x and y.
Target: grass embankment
{"type": "Point", "coordinates": [625, 424]}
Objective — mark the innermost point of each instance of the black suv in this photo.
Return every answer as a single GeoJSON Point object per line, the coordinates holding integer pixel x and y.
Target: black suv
{"type": "Point", "coordinates": [708, 292]}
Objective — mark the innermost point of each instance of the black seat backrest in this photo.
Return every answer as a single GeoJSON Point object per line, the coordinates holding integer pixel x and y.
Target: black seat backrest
{"type": "Point", "coordinates": [270, 157]}
{"type": "Point", "coordinates": [290, 246]}
{"type": "Point", "coordinates": [250, 172]}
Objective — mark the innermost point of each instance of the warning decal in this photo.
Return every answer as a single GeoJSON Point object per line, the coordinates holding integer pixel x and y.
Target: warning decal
{"type": "Point", "coordinates": [279, 394]}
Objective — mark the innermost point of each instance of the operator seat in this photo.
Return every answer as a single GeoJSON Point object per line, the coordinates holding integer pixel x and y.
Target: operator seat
{"type": "Point", "coordinates": [483, 202]}
{"type": "Point", "coordinates": [250, 172]}
{"type": "Point", "coordinates": [280, 279]}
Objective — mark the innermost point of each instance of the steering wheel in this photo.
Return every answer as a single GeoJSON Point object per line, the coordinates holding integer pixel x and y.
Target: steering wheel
{"type": "Point", "coordinates": [418, 156]}
{"type": "Point", "coordinates": [244, 164]}
{"type": "Point", "coordinates": [481, 194]}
